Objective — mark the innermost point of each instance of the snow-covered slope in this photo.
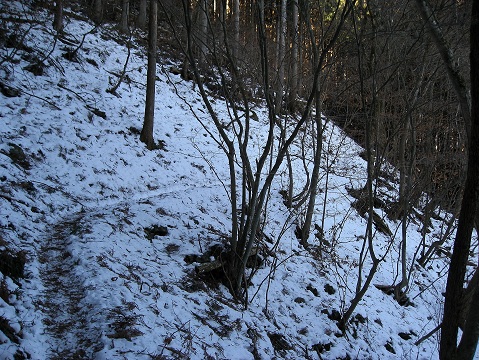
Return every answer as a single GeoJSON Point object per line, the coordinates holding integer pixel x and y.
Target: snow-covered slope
{"type": "Point", "coordinates": [105, 225]}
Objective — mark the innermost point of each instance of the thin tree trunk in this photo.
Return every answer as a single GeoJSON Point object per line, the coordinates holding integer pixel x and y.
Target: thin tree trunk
{"type": "Point", "coordinates": [236, 21]}
{"type": "Point", "coordinates": [125, 12]}
{"type": "Point", "coordinates": [371, 173]}
{"type": "Point", "coordinates": [294, 78]}
{"type": "Point", "coordinates": [221, 8]}
{"type": "Point", "coordinates": [468, 345]}
{"type": "Point", "coordinates": [314, 176]}
{"type": "Point", "coordinates": [281, 57]}
{"type": "Point", "coordinates": [404, 210]}
{"type": "Point", "coordinates": [203, 29]}
{"type": "Point", "coordinates": [141, 19]}
{"type": "Point", "coordinates": [405, 183]}
{"type": "Point", "coordinates": [98, 11]}
{"type": "Point", "coordinates": [147, 131]}
{"type": "Point", "coordinates": [448, 349]}
{"type": "Point", "coordinates": [58, 19]}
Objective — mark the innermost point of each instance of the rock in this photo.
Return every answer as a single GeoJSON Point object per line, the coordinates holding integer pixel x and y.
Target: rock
{"type": "Point", "coordinates": [313, 290]}
{"type": "Point", "coordinates": [390, 348]}
{"type": "Point", "coordinates": [17, 155]}
{"type": "Point", "coordinates": [279, 342]}
{"type": "Point", "coordinates": [329, 289]}
{"type": "Point", "coordinates": [8, 91]}
{"type": "Point", "coordinates": [155, 230]}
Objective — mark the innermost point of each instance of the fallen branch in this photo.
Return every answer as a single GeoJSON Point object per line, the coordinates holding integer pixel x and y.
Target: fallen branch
{"type": "Point", "coordinates": [216, 264]}
{"type": "Point", "coordinates": [210, 266]}
{"type": "Point", "coordinates": [41, 98]}
{"type": "Point", "coordinates": [122, 75]}
{"type": "Point", "coordinates": [9, 198]}
{"type": "Point", "coordinates": [94, 110]}
{"type": "Point", "coordinates": [428, 335]}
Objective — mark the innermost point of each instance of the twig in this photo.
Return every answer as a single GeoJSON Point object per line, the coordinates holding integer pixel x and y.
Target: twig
{"type": "Point", "coordinates": [428, 335]}
{"type": "Point", "coordinates": [122, 75]}
{"type": "Point", "coordinates": [130, 79]}
{"type": "Point", "coordinates": [93, 30]}
{"type": "Point", "coordinates": [70, 196]}
{"type": "Point", "coordinates": [9, 198]}
{"type": "Point", "coordinates": [93, 109]}
{"type": "Point", "coordinates": [40, 98]}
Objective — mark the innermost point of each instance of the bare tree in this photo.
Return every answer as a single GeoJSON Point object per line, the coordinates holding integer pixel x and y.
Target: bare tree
{"type": "Point", "coordinates": [294, 79]}
{"type": "Point", "coordinates": [147, 131]}
{"type": "Point", "coordinates": [236, 31]}
{"type": "Point", "coordinates": [280, 56]}
{"type": "Point", "coordinates": [125, 13]}
{"type": "Point", "coordinates": [97, 11]}
{"type": "Point", "coordinates": [58, 18]}
{"type": "Point", "coordinates": [320, 49]}
{"type": "Point", "coordinates": [141, 19]}
{"type": "Point", "coordinates": [249, 192]}
{"type": "Point", "coordinates": [203, 6]}
{"type": "Point", "coordinates": [457, 269]}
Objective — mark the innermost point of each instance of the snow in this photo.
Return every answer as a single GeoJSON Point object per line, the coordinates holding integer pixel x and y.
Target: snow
{"type": "Point", "coordinates": [97, 287]}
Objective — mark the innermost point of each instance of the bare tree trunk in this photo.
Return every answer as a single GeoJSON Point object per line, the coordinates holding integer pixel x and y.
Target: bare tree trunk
{"type": "Point", "coordinates": [404, 209]}
{"type": "Point", "coordinates": [313, 192]}
{"type": "Point", "coordinates": [203, 29]}
{"type": "Point", "coordinates": [448, 348]}
{"type": "Point", "coordinates": [405, 182]}
{"type": "Point", "coordinates": [468, 345]}
{"type": "Point", "coordinates": [281, 57]}
{"type": "Point", "coordinates": [294, 78]}
{"type": "Point", "coordinates": [318, 61]}
{"type": "Point", "coordinates": [236, 31]}
{"type": "Point", "coordinates": [125, 12]}
{"type": "Point", "coordinates": [221, 9]}
{"type": "Point", "coordinates": [58, 19]}
{"type": "Point", "coordinates": [98, 11]}
{"type": "Point", "coordinates": [255, 185]}
{"type": "Point", "coordinates": [147, 131]}
{"type": "Point", "coordinates": [141, 19]}
{"type": "Point", "coordinates": [371, 119]}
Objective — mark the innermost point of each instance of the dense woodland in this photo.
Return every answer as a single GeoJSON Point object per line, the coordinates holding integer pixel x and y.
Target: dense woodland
{"type": "Point", "coordinates": [399, 77]}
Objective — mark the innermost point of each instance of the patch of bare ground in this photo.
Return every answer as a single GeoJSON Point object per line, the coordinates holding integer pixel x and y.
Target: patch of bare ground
{"type": "Point", "coordinates": [69, 317]}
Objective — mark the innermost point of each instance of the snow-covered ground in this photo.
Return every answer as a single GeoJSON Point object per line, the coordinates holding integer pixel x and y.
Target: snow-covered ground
{"type": "Point", "coordinates": [80, 196]}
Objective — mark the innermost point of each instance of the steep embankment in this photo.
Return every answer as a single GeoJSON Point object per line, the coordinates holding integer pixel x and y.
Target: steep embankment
{"type": "Point", "coordinates": [111, 233]}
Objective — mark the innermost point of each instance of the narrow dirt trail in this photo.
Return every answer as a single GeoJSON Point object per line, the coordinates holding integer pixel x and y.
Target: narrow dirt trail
{"type": "Point", "coordinates": [75, 322]}
{"type": "Point", "coordinates": [68, 312]}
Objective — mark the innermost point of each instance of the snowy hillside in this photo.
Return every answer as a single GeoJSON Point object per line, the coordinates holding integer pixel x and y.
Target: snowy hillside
{"type": "Point", "coordinates": [112, 233]}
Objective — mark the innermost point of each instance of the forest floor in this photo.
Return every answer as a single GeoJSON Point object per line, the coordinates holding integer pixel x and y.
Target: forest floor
{"type": "Point", "coordinates": [105, 235]}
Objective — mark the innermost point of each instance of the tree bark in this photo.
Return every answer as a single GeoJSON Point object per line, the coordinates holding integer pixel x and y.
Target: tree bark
{"type": "Point", "coordinates": [468, 345]}
{"type": "Point", "coordinates": [125, 12]}
{"type": "Point", "coordinates": [448, 348]}
{"type": "Point", "coordinates": [147, 131]}
{"type": "Point", "coordinates": [141, 19]}
{"type": "Point", "coordinates": [203, 29]}
{"type": "Point", "coordinates": [98, 11]}
{"type": "Point", "coordinates": [294, 78]}
{"type": "Point", "coordinates": [281, 57]}
{"type": "Point", "coordinates": [236, 21]}
{"type": "Point", "coordinates": [58, 19]}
